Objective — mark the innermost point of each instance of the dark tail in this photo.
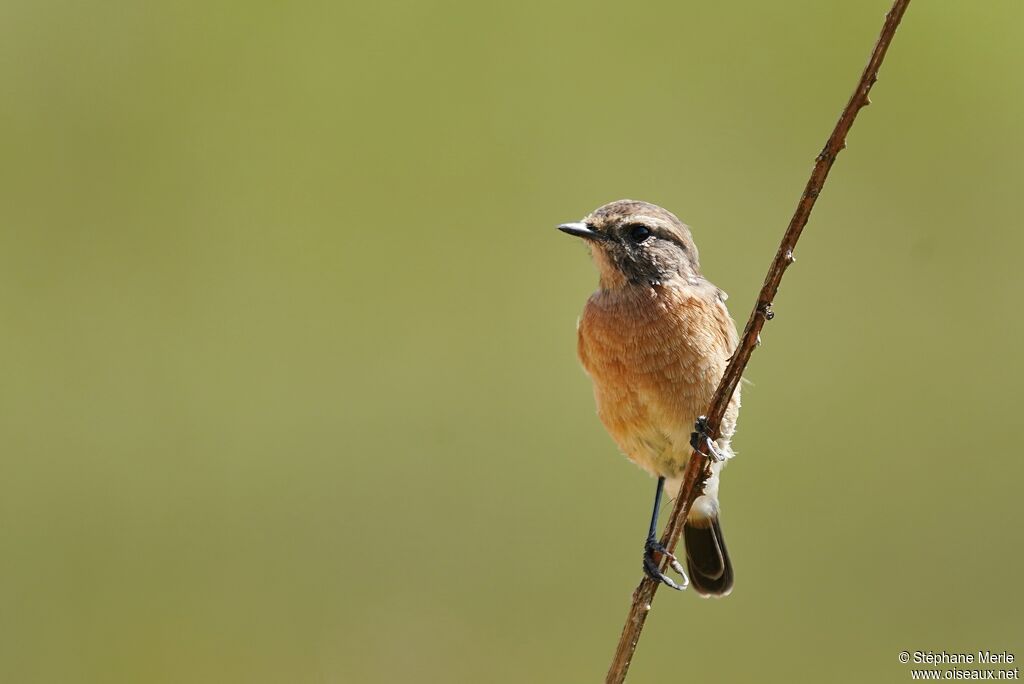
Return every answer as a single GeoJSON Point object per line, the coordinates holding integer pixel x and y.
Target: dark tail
{"type": "Point", "coordinates": [706, 557]}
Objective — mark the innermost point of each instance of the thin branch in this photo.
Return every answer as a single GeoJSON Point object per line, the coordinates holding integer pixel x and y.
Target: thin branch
{"type": "Point", "coordinates": [697, 469]}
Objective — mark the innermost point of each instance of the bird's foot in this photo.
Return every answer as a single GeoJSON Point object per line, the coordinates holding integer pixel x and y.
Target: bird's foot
{"type": "Point", "coordinates": [701, 437]}
{"type": "Point", "coordinates": [652, 569]}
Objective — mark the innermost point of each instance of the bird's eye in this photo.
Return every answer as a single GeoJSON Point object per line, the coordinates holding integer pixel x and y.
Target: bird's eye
{"type": "Point", "coordinates": [639, 233]}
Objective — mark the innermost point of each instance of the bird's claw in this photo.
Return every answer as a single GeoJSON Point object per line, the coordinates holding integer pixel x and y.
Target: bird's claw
{"type": "Point", "coordinates": [701, 437]}
{"type": "Point", "coordinates": [653, 570]}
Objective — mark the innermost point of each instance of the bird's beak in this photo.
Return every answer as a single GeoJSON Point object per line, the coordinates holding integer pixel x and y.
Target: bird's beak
{"type": "Point", "coordinates": [581, 230]}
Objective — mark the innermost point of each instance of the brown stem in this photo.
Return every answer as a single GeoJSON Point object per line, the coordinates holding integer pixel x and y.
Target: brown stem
{"type": "Point", "coordinates": [697, 468]}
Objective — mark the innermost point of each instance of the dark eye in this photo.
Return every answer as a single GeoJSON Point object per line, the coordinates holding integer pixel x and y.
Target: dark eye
{"type": "Point", "coordinates": [638, 233]}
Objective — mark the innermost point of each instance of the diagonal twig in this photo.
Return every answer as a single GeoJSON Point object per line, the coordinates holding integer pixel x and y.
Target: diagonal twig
{"type": "Point", "coordinates": [697, 468]}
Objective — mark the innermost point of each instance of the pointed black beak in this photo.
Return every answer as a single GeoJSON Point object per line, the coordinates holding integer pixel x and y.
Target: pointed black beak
{"type": "Point", "coordinates": [581, 230]}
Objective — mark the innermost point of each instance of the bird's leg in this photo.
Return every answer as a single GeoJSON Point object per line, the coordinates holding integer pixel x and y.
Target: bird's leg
{"type": "Point", "coordinates": [701, 436]}
{"type": "Point", "coordinates": [653, 546]}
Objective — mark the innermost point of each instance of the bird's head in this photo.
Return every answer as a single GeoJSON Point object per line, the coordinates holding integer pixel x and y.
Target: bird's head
{"type": "Point", "coordinates": [637, 243]}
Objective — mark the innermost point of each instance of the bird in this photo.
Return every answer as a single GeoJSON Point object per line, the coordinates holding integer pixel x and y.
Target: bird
{"type": "Point", "coordinates": [655, 339]}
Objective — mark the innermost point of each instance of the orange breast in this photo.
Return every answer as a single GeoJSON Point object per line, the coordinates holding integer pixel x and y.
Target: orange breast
{"type": "Point", "coordinates": [655, 356]}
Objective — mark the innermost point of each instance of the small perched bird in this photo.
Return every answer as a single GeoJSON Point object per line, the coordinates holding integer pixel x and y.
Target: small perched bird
{"type": "Point", "coordinates": [655, 339]}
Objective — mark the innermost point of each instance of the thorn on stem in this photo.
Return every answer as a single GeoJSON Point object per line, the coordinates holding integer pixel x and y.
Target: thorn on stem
{"type": "Point", "coordinates": [708, 474]}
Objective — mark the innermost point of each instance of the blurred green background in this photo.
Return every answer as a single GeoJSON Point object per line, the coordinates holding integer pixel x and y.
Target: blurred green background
{"type": "Point", "coordinates": [289, 387]}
